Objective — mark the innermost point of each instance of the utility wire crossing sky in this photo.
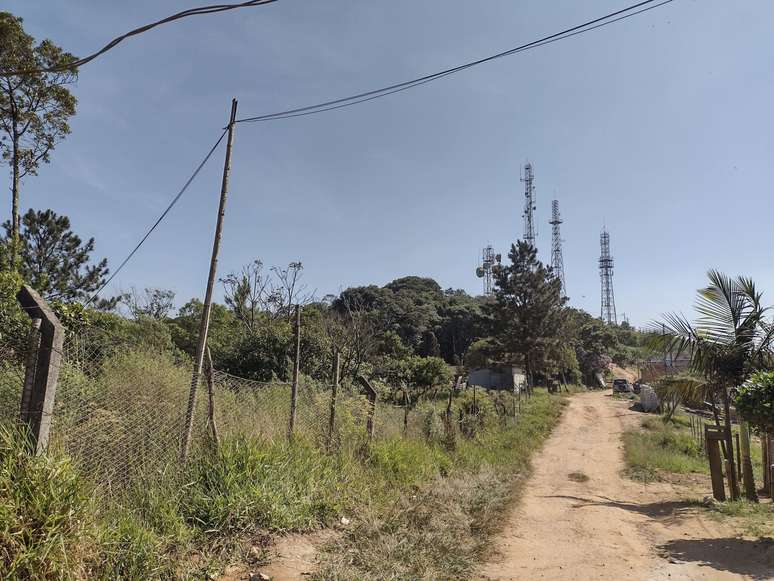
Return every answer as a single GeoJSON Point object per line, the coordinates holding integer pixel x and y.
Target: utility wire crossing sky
{"type": "Point", "coordinates": [611, 18]}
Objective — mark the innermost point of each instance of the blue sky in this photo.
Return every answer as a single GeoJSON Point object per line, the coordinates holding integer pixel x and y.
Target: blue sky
{"type": "Point", "coordinates": [659, 127]}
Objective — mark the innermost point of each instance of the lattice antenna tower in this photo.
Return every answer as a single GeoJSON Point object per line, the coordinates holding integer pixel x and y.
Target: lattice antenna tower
{"type": "Point", "coordinates": [489, 260]}
{"type": "Point", "coordinates": [530, 230]}
{"type": "Point", "coordinates": [606, 276]}
{"type": "Point", "coordinates": [557, 261]}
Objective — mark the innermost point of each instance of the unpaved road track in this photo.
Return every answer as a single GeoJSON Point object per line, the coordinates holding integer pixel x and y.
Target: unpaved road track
{"type": "Point", "coordinates": [609, 527]}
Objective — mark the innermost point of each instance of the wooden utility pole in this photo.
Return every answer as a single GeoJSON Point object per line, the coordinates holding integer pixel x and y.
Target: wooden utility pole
{"type": "Point", "coordinates": [204, 325]}
{"type": "Point", "coordinates": [296, 367]}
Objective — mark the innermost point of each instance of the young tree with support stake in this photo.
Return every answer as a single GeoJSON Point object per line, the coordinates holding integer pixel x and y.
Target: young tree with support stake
{"type": "Point", "coordinates": [34, 109]}
{"type": "Point", "coordinates": [730, 340]}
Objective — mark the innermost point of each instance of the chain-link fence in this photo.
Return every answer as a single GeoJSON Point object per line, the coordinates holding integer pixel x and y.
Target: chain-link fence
{"type": "Point", "coordinates": [13, 352]}
{"type": "Point", "coordinates": [121, 405]}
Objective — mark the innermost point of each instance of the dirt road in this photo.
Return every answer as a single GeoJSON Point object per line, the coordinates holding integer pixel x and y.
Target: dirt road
{"type": "Point", "coordinates": [606, 526]}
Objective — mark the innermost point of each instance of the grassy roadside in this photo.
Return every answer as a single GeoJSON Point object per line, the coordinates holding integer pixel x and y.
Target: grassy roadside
{"type": "Point", "coordinates": [658, 450]}
{"type": "Point", "coordinates": [420, 507]}
{"type": "Point", "coordinates": [438, 529]}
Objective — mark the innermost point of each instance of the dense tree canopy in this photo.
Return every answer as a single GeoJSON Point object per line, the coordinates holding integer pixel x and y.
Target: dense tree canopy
{"type": "Point", "coordinates": [527, 309]}
{"type": "Point", "coordinates": [54, 260]}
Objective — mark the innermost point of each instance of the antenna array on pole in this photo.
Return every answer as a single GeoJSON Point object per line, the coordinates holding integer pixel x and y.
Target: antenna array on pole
{"type": "Point", "coordinates": [606, 276]}
{"type": "Point", "coordinates": [530, 231]}
{"type": "Point", "coordinates": [488, 262]}
{"type": "Point", "coordinates": [557, 261]}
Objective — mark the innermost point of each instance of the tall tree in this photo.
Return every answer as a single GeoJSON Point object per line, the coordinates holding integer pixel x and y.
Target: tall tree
{"type": "Point", "coordinates": [34, 109]}
{"type": "Point", "coordinates": [527, 308]}
{"type": "Point", "coordinates": [54, 260]}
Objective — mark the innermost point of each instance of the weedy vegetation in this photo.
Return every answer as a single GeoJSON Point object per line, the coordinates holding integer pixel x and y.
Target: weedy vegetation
{"type": "Point", "coordinates": [421, 504]}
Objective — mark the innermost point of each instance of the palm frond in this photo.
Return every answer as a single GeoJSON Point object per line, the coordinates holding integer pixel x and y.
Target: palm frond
{"type": "Point", "coordinates": [684, 388]}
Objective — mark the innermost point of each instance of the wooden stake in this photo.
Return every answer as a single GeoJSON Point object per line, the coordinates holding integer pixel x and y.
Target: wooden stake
{"type": "Point", "coordinates": [748, 478]}
{"type": "Point", "coordinates": [334, 390]}
{"type": "Point", "coordinates": [211, 400]}
{"type": "Point", "coordinates": [765, 458]}
{"type": "Point", "coordinates": [716, 464]}
{"type": "Point", "coordinates": [296, 367]}
{"type": "Point", "coordinates": [204, 325]}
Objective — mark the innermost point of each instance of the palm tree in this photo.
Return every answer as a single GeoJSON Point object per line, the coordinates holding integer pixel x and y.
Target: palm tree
{"type": "Point", "coordinates": [729, 340]}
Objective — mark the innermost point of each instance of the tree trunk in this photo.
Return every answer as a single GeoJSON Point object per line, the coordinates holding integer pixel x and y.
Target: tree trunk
{"type": "Point", "coordinates": [716, 416]}
{"type": "Point", "coordinates": [748, 478]}
{"type": "Point", "coordinates": [13, 258]}
{"type": "Point", "coordinates": [733, 484]}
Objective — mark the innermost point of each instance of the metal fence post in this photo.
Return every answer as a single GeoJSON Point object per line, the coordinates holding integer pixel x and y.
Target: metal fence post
{"type": "Point", "coordinates": [40, 383]}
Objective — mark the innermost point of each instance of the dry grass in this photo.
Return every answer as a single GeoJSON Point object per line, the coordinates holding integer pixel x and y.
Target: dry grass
{"type": "Point", "coordinates": [439, 530]}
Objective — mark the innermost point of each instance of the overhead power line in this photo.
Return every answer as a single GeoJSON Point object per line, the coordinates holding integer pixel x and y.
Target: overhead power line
{"type": "Point", "coordinates": [160, 218]}
{"type": "Point", "coordinates": [342, 102]}
{"type": "Point", "coordinates": [212, 9]}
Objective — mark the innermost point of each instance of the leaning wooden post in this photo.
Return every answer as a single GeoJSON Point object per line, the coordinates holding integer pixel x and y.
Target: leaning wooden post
{"type": "Point", "coordinates": [38, 409]}
{"type": "Point", "coordinates": [334, 390]}
{"type": "Point", "coordinates": [713, 436]}
{"type": "Point", "coordinates": [211, 400]}
{"type": "Point", "coordinates": [204, 325]}
{"type": "Point", "coordinates": [770, 462]}
{"type": "Point", "coordinates": [765, 459]}
{"type": "Point", "coordinates": [371, 395]}
{"type": "Point", "coordinates": [296, 367]}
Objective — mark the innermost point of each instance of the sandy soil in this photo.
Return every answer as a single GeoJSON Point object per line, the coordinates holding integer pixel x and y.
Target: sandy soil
{"type": "Point", "coordinates": [292, 557]}
{"type": "Point", "coordinates": [609, 527]}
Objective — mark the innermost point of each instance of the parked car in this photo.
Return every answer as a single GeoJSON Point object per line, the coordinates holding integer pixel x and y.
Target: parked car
{"type": "Point", "coordinates": [622, 386]}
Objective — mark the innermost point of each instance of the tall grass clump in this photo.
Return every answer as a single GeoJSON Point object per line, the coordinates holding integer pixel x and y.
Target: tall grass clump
{"type": "Point", "coordinates": [253, 484]}
{"type": "Point", "coordinates": [46, 527]}
{"type": "Point", "coordinates": [662, 446]}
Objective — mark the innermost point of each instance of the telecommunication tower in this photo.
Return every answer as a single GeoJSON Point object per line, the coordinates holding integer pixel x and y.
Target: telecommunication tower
{"type": "Point", "coordinates": [529, 205]}
{"type": "Point", "coordinates": [488, 262]}
{"type": "Point", "coordinates": [606, 276]}
{"type": "Point", "coordinates": [557, 262]}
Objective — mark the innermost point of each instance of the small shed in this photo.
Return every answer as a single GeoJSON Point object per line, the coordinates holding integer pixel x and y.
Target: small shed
{"type": "Point", "coordinates": [508, 377]}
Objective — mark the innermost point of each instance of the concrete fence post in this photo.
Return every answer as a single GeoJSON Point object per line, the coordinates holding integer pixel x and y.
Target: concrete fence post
{"type": "Point", "coordinates": [42, 372]}
{"type": "Point", "coordinates": [371, 394]}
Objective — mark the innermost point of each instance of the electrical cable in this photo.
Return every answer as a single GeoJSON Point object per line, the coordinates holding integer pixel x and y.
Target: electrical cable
{"type": "Point", "coordinates": [212, 9]}
{"type": "Point", "coordinates": [160, 218]}
{"type": "Point", "coordinates": [611, 18]}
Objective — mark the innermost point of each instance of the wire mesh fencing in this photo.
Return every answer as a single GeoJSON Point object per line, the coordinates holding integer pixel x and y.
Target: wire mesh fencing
{"type": "Point", "coordinates": [120, 408]}
{"type": "Point", "coordinates": [13, 354]}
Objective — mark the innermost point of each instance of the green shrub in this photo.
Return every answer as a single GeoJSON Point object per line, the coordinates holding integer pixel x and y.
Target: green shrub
{"type": "Point", "coordinates": [755, 400]}
{"type": "Point", "coordinates": [406, 462]}
{"type": "Point", "coordinates": [477, 412]}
